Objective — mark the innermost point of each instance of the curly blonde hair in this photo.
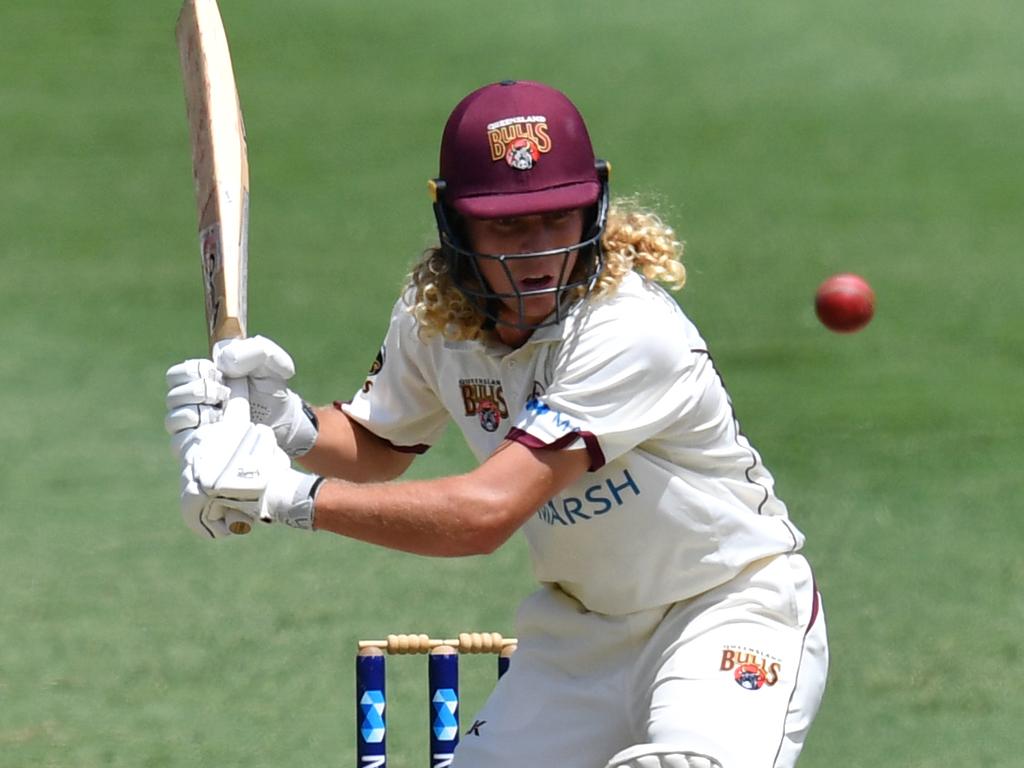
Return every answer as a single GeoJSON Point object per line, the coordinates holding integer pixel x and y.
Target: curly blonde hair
{"type": "Point", "coordinates": [633, 239]}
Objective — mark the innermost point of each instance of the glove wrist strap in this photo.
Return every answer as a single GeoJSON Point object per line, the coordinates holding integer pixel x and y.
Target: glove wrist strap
{"type": "Point", "coordinates": [304, 428]}
{"type": "Point", "coordinates": [300, 513]}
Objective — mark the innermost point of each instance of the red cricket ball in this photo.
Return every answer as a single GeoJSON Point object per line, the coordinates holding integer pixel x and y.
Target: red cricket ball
{"type": "Point", "coordinates": [844, 303]}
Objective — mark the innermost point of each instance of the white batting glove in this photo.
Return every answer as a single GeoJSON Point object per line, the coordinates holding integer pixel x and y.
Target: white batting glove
{"type": "Point", "coordinates": [197, 393]}
{"type": "Point", "coordinates": [240, 467]}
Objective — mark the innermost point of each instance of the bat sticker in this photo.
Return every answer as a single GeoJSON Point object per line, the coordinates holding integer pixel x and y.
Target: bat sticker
{"type": "Point", "coordinates": [211, 252]}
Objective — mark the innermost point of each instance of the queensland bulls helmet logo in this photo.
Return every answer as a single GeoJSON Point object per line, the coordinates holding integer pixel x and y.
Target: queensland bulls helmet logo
{"type": "Point", "coordinates": [522, 154]}
{"type": "Point", "coordinates": [519, 141]}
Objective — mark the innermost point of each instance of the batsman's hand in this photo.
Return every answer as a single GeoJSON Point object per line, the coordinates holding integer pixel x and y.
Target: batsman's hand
{"type": "Point", "coordinates": [240, 467]}
{"type": "Point", "coordinates": [197, 393]}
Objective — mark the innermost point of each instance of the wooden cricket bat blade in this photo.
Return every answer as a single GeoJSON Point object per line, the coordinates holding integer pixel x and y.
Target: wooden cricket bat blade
{"type": "Point", "coordinates": [220, 171]}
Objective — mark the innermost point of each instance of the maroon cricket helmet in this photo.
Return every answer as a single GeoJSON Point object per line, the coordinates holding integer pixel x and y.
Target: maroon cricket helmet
{"type": "Point", "coordinates": [517, 148]}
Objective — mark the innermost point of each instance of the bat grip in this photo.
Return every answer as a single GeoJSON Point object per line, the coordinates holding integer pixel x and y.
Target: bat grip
{"type": "Point", "coordinates": [237, 411]}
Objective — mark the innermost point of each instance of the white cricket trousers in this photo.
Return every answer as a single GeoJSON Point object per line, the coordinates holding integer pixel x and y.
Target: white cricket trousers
{"type": "Point", "coordinates": [736, 673]}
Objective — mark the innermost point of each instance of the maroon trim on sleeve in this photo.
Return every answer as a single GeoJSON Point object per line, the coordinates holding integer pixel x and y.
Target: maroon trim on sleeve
{"type": "Point", "coordinates": [421, 448]}
{"type": "Point", "coordinates": [597, 461]}
{"type": "Point", "coordinates": [418, 449]}
{"type": "Point", "coordinates": [815, 606]}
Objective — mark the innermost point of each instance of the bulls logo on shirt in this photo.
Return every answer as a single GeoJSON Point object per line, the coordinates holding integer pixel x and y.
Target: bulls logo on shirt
{"type": "Point", "coordinates": [485, 399]}
{"type": "Point", "coordinates": [490, 416]}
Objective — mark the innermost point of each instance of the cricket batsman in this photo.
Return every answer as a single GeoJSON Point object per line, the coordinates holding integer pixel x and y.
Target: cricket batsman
{"type": "Point", "coordinates": [676, 624]}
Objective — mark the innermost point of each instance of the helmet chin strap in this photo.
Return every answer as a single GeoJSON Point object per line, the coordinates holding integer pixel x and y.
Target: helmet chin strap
{"type": "Point", "coordinates": [463, 265]}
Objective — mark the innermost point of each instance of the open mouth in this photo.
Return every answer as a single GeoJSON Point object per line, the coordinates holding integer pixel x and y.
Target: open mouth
{"type": "Point", "coordinates": [538, 283]}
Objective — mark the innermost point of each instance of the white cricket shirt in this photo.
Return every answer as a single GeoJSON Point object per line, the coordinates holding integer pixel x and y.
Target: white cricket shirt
{"type": "Point", "coordinates": [676, 500]}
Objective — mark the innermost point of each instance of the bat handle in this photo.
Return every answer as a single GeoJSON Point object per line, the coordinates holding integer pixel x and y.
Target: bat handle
{"type": "Point", "coordinates": [237, 411]}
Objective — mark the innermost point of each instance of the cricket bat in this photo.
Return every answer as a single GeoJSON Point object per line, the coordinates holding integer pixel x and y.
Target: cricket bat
{"type": "Point", "coordinates": [220, 169]}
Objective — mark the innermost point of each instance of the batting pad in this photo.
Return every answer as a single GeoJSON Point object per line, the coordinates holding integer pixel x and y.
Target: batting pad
{"type": "Point", "coordinates": [660, 756]}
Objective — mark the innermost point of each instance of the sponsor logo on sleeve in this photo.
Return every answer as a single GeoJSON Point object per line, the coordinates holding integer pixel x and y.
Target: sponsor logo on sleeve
{"type": "Point", "coordinates": [558, 420]}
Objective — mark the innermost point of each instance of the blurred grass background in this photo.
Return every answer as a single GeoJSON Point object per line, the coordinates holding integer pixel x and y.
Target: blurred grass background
{"type": "Point", "coordinates": [785, 142]}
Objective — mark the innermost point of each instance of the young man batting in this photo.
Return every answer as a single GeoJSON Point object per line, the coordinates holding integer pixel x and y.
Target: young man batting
{"type": "Point", "coordinates": [676, 624]}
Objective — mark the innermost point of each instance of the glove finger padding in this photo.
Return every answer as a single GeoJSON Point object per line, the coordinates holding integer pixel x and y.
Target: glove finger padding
{"type": "Point", "coordinates": [196, 396]}
{"type": "Point", "coordinates": [191, 370]}
{"type": "Point", "coordinates": [197, 392]}
{"type": "Point", "coordinates": [190, 417]}
{"type": "Point", "coordinates": [257, 357]}
{"type": "Point", "coordinates": [196, 511]}
{"type": "Point", "coordinates": [183, 443]}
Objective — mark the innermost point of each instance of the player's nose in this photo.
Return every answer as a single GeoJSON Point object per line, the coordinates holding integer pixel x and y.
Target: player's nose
{"type": "Point", "coordinates": [536, 236]}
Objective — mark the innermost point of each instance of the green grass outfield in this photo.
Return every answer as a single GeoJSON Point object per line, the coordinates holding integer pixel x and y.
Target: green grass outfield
{"type": "Point", "coordinates": [785, 141]}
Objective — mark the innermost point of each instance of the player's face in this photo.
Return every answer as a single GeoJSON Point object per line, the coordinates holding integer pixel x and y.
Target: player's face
{"type": "Point", "coordinates": [527, 234]}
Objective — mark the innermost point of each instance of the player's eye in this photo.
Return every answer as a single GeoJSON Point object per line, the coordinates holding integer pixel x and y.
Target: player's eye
{"type": "Point", "coordinates": [560, 219]}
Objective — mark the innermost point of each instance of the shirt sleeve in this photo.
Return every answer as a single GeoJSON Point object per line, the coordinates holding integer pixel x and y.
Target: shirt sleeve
{"type": "Point", "coordinates": [398, 400]}
{"type": "Point", "coordinates": [627, 375]}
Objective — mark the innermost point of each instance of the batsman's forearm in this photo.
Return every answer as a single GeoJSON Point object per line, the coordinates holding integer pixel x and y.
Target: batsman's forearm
{"type": "Point", "coordinates": [447, 517]}
{"type": "Point", "coordinates": [347, 450]}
